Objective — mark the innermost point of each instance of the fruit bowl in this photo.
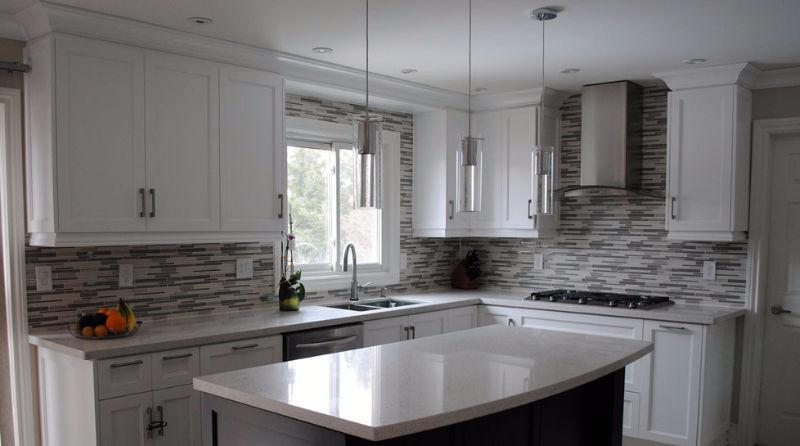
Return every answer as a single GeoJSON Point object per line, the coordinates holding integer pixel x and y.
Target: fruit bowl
{"type": "Point", "coordinates": [73, 328]}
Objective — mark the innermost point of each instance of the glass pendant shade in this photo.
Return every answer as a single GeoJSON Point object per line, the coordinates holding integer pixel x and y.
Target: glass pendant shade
{"type": "Point", "coordinates": [367, 148]}
{"type": "Point", "coordinates": [544, 160]}
{"type": "Point", "coordinates": [470, 172]}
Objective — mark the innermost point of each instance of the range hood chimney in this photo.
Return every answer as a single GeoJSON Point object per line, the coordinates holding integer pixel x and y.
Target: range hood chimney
{"type": "Point", "coordinates": [611, 140]}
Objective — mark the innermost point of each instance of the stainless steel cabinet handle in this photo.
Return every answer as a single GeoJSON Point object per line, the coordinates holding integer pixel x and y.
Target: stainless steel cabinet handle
{"type": "Point", "coordinates": [672, 208]}
{"type": "Point", "coordinates": [511, 322]}
{"type": "Point", "coordinates": [161, 423]}
{"type": "Point", "coordinates": [149, 427]}
{"type": "Point", "coordinates": [530, 216]}
{"type": "Point", "coordinates": [152, 203]}
{"type": "Point", "coordinates": [672, 327]}
{"type": "Point", "coordinates": [778, 309]}
{"type": "Point", "coordinates": [280, 210]}
{"type": "Point", "coordinates": [142, 210]}
{"type": "Point", "coordinates": [452, 209]}
{"type": "Point", "coordinates": [413, 332]}
{"type": "Point", "coordinates": [337, 341]}
{"type": "Point", "coordinates": [406, 330]}
{"type": "Point", "coordinates": [171, 357]}
{"type": "Point", "coordinates": [126, 364]}
{"type": "Point", "coordinates": [243, 347]}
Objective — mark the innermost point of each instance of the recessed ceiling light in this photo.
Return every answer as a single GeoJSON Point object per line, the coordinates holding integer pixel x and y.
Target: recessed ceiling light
{"type": "Point", "coordinates": [200, 20]}
{"type": "Point", "coordinates": [693, 61]}
{"type": "Point", "coordinates": [408, 70]}
{"type": "Point", "coordinates": [480, 89]}
{"type": "Point", "coordinates": [570, 70]}
{"type": "Point", "coordinates": [322, 50]}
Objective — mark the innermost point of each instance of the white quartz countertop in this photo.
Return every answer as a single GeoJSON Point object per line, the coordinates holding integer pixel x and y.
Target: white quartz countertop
{"type": "Point", "coordinates": [402, 388]}
{"type": "Point", "coordinates": [175, 333]}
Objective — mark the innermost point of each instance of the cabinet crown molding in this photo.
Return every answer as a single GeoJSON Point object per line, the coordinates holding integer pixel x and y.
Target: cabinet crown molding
{"type": "Point", "coordinates": [742, 74]}
{"type": "Point", "coordinates": [548, 97]}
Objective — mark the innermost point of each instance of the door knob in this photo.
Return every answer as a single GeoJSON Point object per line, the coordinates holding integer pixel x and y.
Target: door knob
{"type": "Point", "coordinates": [778, 309]}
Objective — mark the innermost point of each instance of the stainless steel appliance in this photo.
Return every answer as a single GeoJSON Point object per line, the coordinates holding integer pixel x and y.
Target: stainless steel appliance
{"type": "Point", "coordinates": [633, 301]}
{"type": "Point", "coordinates": [320, 341]}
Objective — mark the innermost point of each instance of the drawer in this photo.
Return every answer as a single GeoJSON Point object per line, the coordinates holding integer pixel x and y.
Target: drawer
{"type": "Point", "coordinates": [630, 414]}
{"type": "Point", "coordinates": [218, 358]}
{"type": "Point", "coordinates": [175, 367]}
{"type": "Point", "coordinates": [124, 376]}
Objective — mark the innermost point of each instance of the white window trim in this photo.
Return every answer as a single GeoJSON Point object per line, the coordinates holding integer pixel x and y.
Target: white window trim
{"type": "Point", "coordinates": [388, 273]}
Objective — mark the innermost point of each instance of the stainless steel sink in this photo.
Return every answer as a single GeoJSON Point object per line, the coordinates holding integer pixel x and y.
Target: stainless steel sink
{"type": "Point", "coordinates": [353, 307]}
{"type": "Point", "coordinates": [389, 303]}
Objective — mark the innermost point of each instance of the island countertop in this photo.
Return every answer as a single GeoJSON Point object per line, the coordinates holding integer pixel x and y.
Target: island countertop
{"type": "Point", "coordinates": [392, 390]}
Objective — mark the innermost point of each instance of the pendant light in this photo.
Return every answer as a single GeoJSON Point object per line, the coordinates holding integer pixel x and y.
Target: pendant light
{"type": "Point", "coordinates": [469, 155]}
{"type": "Point", "coordinates": [367, 147]}
{"type": "Point", "coordinates": [543, 156]}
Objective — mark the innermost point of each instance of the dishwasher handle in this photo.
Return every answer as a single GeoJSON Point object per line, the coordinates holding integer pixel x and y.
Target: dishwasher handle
{"type": "Point", "coordinates": [330, 343]}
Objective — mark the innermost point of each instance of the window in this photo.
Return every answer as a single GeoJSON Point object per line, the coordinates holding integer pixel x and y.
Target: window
{"type": "Point", "coordinates": [320, 197]}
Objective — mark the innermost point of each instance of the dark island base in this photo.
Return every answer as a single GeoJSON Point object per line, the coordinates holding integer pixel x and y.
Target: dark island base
{"type": "Point", "coordinates": [589, 415]}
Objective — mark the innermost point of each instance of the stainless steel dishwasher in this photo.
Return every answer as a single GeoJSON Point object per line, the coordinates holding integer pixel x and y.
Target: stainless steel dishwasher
{"type": "Point", "coordinates": [320, 341]}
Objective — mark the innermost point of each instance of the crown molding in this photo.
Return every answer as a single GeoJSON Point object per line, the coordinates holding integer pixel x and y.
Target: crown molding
{"type": "Point", "coordinates": [303, 74]}
{"type": "Point", "coordinates": [742, 74]}
{"type": "Point", "coordinates": [10, 28]}
{"type": "Point", "coordinates": [784, 77]}
{"type": "Point", "coordinates": [522, 98]}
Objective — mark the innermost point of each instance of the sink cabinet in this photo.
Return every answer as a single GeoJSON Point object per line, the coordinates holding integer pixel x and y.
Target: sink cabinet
{"type": "Point", "coordinates": [402, 328]}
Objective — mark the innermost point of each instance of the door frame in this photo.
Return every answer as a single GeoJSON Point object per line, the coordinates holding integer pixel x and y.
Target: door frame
{"type": "Point", "coordinates": [757, 266]}
{"type": "Point", "coordinates": [12, 204]}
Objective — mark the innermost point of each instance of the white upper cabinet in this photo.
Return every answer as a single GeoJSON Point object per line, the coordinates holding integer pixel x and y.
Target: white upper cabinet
{"type": "Point", "coordinates": [130, 146]}
{"type": "Point", "coordinates": [252, 157]}
{"type": "Point", "coordinates": [708, 153]}
{"type": "Point", "coordinates": [182, 115]}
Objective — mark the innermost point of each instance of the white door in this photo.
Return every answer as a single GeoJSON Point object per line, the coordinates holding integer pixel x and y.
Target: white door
{"type": "Point", "coordinates": [252, 155]}
{"type": "Point", "coordinates": [123, 421]}
{"type": "Point", "coordinates": [456, 127]}
{"type": "Point", "coordinates": [518, 178]}
{"type": "Point", "coordinates": [182, 119]}
{"type": "Point", "coordinates": [385, 331]}
{"type": "Point", "coordinates": [669, 404]}
{"type": "Point", "coordinates": [179, 407]}
{"type": "Point", "coordinates": [427, 324]}
{"type": "Point", "coordinates": [218, 358]}
{"type": "Point", "coordinates": [780, 388]}
{"type": "Point", "coordinates": [462, 318]}
{"type": "Point", "coordinates": [493, 128]}
{"type": "Point", "coordinates": [99, 136]}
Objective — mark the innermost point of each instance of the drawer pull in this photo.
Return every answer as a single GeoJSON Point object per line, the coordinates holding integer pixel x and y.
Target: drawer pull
{"type": "Point", "coordinates": [182, 355]}
{"type": "Point", "coordinates": [672, 327]}
{"type": "Point", "coordinates": [332, 342]}
{"type": "Point", "coordinates": [243, 347]}
{"type": "Point", "coordinates": [127, 364]}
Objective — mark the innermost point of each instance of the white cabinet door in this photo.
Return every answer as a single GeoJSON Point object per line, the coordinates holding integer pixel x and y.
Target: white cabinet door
{"type": "Point", "coordinates": [630, 414]}
{"type": "Point", "coordinates": [123, 420]}
{"type": "Point", "coordinates": [427, 324]}
{"type": "Point", "coordinates": [123, 376]}
{"type": "Point", "coordinates": [462, 318]}
{"type": "Point", "coordinates": [490, 315]}
{"type": "Point", "coordinates": [669, 404]}
{"type": "Point", "coordinates": [180, 409]}
{"type": "Point", "coordinates": [182, 118]}
{"type": "Point", "coordinates": [218, 358]}
{"type": "Point", "coordinates": [518, 177]}
{"type": "Point", "coordinates": [100, 136]}
{"type": "Point", "coordinates": [175, 367]}
{"type": "Point", "coordinates": [385, 331]}
{"type": "Point", "coordinates": [492, 126]}
{"type": "Point", "coordinates": [252, 150]}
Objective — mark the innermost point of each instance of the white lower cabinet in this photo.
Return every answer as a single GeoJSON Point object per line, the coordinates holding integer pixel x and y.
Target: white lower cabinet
{"type": "Point", "coordinates": [630, 414]}
{"type": "Point", "coordinates": [123, 420]}
{"type": "Point", "coordinates": [218, 358]}
{"type": "Point", "coordinates": [180, 409]}
{"type": "Point", "coordinates": [395, 329]}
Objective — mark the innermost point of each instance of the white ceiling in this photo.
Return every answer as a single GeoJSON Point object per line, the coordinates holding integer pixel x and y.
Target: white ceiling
{"type": "Point", "coordinates": [608, 40]}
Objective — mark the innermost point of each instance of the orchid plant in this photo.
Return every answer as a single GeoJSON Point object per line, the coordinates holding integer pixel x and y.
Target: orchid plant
{"type": "Point", "coordinates": [290, 290]}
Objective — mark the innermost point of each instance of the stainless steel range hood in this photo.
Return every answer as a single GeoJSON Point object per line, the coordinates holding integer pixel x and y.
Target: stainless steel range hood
{"type": "Point", "coordinates": [611, 141]}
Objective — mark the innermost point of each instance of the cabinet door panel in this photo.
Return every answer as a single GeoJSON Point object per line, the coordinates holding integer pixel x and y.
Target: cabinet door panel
{"type": "Point", "coordinates": [175, 367]}
{"type": "Point", "coordinates": [180, 408]}
{"type": "Point", "coordinates": [493, 128]}
{"type": "Point", "coordinates": [182, 143]}
{"type": "Point", "coordinates": [252, 155]}
{"type": "Point", "coordinates": [243, 354]}
{"type": "Point", "coordinates": [670, 402]}
{"type": "Point", "coordinates": [385, 331]}
{"type": "Point", "coordinates": [100, 136]}
{"type": "Point", "coordinates": [123, 376]}
{"type": "Point", "coordinates": [123, 420]}
{"type": "Point", "coordinates": [490, 315]}
{"type": "Point", "coordinates": [519, 168]}
{"type": "Point", "coordinates": [428, 324]}
{"type": "Point", "coordinates": [462, 318]}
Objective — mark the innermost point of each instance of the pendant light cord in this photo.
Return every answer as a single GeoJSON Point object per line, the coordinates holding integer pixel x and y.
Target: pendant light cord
{"type": "Point", "coordinates": [541, 100]}
{"type": "Point", "coordinates": [366, 39]}
{"type": "Point", "coordinates": [469, 70]}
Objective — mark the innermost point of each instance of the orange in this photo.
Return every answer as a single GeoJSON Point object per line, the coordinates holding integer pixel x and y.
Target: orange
{"type": "Point", "coordinates": [116, 323]}
{"type": "Point", "coordinates": [87, 332]}
{"type": "Point", "coordinates": [112, 311]}
{"type": "Point", "coordinates": [103, 310]}
{"type": "Point", "coordinates": [100, 331]}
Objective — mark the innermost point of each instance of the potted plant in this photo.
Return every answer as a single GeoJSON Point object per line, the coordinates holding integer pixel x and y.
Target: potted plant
{"type": "Point", "coordinates": [290, 290]}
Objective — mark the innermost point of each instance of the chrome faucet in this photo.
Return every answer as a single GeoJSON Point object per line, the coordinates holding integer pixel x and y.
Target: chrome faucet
{"type": "Point", "coordinates": [354, 287]}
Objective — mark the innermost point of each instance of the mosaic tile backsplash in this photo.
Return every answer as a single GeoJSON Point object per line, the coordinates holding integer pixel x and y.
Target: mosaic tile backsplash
{"type": "Point", "coordinates": [615, 244]}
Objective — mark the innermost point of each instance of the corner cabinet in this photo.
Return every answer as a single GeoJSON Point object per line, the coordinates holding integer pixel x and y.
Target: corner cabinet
{"type": "Point", "coordinates": [130, 146]}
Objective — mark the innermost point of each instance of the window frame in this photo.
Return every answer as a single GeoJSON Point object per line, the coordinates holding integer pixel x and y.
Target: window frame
{"type": "Point", "coordinates": [387, 272]}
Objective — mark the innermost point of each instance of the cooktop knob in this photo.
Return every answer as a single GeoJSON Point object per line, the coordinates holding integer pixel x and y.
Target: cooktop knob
{"type": "Point", "coordinates": [552, 298]}
{"type": "Point", "coordinates": [581, 300]}
{"type": "Point", "coordinates": [632, 304]}
{"type": "Point", "coordinates": [612, 303]}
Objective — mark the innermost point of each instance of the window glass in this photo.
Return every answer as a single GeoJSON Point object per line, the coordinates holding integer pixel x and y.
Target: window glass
{"type": "Point", "coordinates": [358, 226]}
{"type": "Point", "coordinates": [309, 197]}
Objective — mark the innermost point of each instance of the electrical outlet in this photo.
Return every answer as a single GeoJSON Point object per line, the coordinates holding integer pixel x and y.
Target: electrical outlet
{"type": "Point", "coordinates": [44, 278]}
{"type": "Point", "coordinates": [710, 270]}
{"type": "Point", "coordinates": [125, 275]}
{"type": "Point", "coordinates": [403, 261]}
{"type": "Point", "coordinates": [538, 262]}
{"type": "Point", "coordinates": [244, 268]}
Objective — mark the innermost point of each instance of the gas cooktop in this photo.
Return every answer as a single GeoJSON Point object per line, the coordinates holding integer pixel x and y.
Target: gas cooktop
{"type": "Point", "coordinates": [632, 301]}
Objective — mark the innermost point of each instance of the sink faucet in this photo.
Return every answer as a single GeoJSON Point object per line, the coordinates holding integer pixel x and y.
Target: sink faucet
{"type": "Point", "coordinates": [354, 287]}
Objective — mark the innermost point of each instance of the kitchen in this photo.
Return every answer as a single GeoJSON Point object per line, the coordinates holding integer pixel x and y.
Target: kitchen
{"type": "Point", "coordinates": [120, 211]}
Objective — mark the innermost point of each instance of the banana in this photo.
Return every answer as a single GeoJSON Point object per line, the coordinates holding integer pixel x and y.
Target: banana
{"type": "Point", "coordinates": [127, 312]}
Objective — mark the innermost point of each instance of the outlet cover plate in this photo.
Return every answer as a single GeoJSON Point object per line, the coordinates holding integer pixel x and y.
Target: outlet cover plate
{"type": "Point", "coordinates": [538, 262]}
{"type": "Point", "coordinates": [710, 270]}
{"type": "Point", "coordinates": [44, 278]}
{"type": "Point", "coordinates": [125, 275]}
{"type": "Point", "coordinates": [244, 268]}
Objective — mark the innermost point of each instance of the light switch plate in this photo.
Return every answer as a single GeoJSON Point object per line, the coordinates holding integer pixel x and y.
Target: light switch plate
{"type": "Point", "coordinates": [125, 275]}
{"type": "Point", "coordinates": [710, 270]}
{"type": "Point", "coordinates": [538, 262]}
{"type": "Point", "coordinates": [244, 268]}
{"type": "Point", "coordinates": [403, 261]}
{"type": "Point", "coordinates": [44, 278]}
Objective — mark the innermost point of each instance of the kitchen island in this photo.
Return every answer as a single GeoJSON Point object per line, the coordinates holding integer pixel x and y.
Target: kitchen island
{"type": "Point", "coordinates": [489, 385]}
